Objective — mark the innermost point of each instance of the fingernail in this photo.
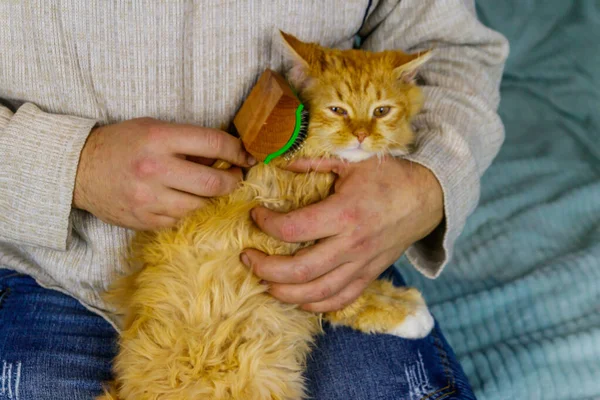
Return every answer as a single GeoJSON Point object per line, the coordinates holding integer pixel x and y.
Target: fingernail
{"type": "Point", "coordinates": [245, 259]}
{"type": "Point", "coordinates": [251, 160]}
{"type": "Point", "coordinates": [253, 214]}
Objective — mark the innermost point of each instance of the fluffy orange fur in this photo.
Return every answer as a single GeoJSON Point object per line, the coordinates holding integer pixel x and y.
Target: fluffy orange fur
{"type": "Point", "coordinates": [197, 324]}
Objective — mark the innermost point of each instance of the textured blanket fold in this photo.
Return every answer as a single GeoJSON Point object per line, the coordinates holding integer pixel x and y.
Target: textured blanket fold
{"type": "Point", "coordinates": [520, 302]}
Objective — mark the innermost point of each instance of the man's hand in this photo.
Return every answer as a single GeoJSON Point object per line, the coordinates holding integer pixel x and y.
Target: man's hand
{"type": "Point", "coordinates": [378, 209]}
{"type": "Point", "coordinates": [138, 173]}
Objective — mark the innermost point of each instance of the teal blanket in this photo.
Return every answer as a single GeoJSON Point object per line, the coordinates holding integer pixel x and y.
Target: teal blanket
{"type": "Point", "coordinates": [520, 301]}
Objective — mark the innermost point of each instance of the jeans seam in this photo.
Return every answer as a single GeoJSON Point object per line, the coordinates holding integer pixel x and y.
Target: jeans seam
{"type": "Point", "coordinates": [449, 389]}
{"type": "Point", "coordinates": [445, 395]}
{"type": "Point", "coordinates": [3, 295]}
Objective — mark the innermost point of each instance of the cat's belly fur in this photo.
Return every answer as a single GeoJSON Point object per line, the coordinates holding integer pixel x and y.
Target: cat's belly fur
{"type": "Point", "coordinates": [198, 323]}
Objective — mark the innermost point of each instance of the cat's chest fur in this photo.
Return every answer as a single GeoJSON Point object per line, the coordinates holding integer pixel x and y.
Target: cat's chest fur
{"type": "Point", "coordinates": [281, 190]}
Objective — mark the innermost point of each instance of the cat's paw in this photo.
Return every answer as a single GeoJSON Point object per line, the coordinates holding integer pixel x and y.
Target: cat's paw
{"type": "Point", "coordinates": [415, 326]}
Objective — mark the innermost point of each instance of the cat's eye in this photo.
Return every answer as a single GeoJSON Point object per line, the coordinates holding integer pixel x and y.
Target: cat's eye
{"type": "Point", "coordinates": [339, 111]}
{"type": "Point", "coordinates": [381, 111]}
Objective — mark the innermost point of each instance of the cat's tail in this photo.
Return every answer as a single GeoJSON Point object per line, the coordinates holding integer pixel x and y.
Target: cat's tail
{"type": "Point", "coordinates": [110, 392]}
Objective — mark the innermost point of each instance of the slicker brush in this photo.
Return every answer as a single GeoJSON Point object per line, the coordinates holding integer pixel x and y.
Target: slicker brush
{"type": "Point", "coordinates": [272, 122]}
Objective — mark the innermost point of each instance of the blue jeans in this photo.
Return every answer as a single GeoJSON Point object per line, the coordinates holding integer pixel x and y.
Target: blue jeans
{"type": "Point", "coordinates": [52, 348]}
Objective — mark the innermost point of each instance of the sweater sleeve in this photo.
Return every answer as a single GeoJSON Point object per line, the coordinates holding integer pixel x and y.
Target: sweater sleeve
{"type": "Point", "coordinates": [39, 154]}
{"type": "Point", "coordinates": [459, 131]}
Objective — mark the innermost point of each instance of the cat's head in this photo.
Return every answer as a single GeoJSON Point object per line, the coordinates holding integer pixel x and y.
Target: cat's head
{"type": "Point", "coordinates": [360, 103]}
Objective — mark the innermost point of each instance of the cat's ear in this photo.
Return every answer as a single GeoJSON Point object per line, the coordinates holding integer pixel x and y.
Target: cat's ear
{"type": "Point", "coordinates": [408, 65]}
{"type": "Point", "coordinates": [301, 56]}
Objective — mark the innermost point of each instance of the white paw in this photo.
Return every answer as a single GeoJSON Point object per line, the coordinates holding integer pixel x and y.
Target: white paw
{"type": "Point", "coordinates": [415, 326]}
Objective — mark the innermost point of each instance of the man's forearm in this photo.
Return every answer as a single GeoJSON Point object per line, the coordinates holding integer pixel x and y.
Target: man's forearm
{"type": "Point", "coordinates": [39, 153]}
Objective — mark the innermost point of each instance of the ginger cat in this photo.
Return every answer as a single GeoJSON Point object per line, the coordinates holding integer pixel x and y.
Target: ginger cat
{"type": "Point", "coordinates": [197, 323]}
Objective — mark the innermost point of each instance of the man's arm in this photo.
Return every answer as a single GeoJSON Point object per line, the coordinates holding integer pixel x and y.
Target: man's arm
{"type": "Point", "coordinates": [39, 153]}
{"type": "Point", "coordinates": [459, 132]}
{"type": "Point", "coordinates": [132, 174]}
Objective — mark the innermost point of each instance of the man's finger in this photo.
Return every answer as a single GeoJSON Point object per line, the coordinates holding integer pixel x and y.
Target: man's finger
{"type": "Point", "coordinates": [320, 289]}
{"type": "Point", "coordinates": [191, 140]}
{"type": "Point", "coordinates": [313, 222]}
{"type": "Point", "coordinates": [177, 204]}
{"type": "Point", "coordinates": [305, 266]}
{"type": "Point", "coordinates": [341, 300]}
{"type": "Point", "coordinates": [304, 165]}
{"type": "Point", "coordinates": [367, 273]}
{"type": "Point", "coordinates": [201, 160]}
{"type": "Point", "coordinates": [200, 180]}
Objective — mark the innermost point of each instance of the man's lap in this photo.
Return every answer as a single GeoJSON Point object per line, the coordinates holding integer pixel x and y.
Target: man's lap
{"type": "Point", "coordinates": [51, 347]}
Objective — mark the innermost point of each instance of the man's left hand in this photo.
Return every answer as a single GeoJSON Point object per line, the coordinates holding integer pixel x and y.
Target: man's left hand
{"type": "Point", "coordinates": [377, 210]}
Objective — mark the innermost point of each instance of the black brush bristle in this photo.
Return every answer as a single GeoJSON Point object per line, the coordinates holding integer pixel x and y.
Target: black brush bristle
{"type": "Point", "coordinates": [302, 134]}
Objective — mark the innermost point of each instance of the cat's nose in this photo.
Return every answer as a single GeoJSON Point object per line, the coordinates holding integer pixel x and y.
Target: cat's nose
{"type": "Point", "coordinates": [361, 135]}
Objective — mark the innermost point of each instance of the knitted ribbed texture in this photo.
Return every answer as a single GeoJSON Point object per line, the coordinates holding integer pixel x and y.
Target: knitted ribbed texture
{"type": "Point", "coordinates": [194, 62]}
{"type": "Point", "coordinates": [520, 301]}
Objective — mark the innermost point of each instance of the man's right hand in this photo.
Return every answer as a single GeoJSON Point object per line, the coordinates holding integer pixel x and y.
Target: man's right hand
{"type": "Point", "coordinates": [137, 174]}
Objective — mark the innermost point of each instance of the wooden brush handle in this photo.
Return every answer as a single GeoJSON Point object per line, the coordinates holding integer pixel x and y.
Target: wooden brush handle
{"type": "Point", "coordinates": [267, 118]}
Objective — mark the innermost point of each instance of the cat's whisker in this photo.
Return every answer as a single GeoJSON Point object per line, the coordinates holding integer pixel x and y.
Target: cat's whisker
{"type": "Point", "coordinates": [395, 142]}
{"type": "Point", "coordinates": [380, 157]}
{"type": "Point", "coordinates": [319, 163]}
{"type": "Point", "coordinates": [345, 162]}
{"type": "Point", "coordinates": [400, 146]}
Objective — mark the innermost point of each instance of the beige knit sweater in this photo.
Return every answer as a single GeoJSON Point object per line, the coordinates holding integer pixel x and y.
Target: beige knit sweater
{"type": "Point", "coordinates": [66, 65]}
